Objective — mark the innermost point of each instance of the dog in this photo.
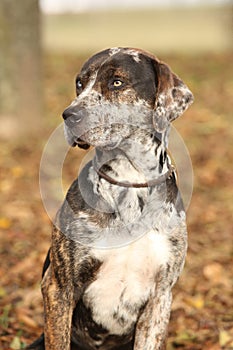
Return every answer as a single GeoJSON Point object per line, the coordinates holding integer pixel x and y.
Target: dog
{"type": "Point", "coordinates": [119, 240]}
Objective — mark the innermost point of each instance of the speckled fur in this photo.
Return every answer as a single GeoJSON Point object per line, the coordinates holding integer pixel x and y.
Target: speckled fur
{"type": "Point", "coordinates": [117, 298]}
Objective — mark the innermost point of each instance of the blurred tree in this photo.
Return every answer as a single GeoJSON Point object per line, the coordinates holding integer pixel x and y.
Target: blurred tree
{"type": "Point", "coordinates": [20, 67]}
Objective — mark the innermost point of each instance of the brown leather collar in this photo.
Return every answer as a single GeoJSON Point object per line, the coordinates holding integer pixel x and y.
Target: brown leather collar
{"type": "Point", "coordinates": [151, 183]}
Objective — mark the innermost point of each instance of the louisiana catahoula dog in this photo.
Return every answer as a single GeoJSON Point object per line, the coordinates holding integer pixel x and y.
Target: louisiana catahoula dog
{"type": "Point", "coordinates": [119, 240]}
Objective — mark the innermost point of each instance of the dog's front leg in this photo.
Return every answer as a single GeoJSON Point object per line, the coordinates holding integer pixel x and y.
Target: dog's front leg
{"type": "Point", "coordinates": [151, 329]}
{"type": "Point", "coordinates": [58, 308]}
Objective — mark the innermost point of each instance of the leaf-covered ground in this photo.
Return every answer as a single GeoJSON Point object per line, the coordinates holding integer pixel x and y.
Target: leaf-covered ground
{"type": "Point", "coordinates": [202, 312]}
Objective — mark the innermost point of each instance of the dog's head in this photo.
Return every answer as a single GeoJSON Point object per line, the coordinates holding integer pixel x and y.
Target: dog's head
{"type": "Point", "coordinates": [121, 89]}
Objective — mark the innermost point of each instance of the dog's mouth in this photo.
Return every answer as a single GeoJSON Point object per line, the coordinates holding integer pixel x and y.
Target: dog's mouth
{"type": "Point", "coordinates": [92, 138]}
{"type": "Point", "coordinates": [80, 143]}
{"type": "Point", "coordinates": [84, 145]}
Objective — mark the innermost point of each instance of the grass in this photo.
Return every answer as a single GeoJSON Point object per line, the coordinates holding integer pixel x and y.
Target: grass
{"type": "Point", "coordinates": [161, 30]}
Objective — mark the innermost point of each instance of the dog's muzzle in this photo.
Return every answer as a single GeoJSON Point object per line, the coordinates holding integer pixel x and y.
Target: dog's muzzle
{"type": "Point", "coordinates": [72, 117]}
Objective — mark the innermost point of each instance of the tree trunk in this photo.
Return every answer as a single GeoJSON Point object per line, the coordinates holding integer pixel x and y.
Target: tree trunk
{"type": "Point", "coordinates": [20, 67]}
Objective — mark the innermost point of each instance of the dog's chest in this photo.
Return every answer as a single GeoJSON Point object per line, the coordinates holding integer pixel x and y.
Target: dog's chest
{"type": "Point", "coordinates": [125, 281]}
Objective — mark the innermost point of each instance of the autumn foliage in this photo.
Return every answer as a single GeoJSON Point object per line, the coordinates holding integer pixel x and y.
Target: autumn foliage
{"type": "Point", "coordinates": [202, 312]}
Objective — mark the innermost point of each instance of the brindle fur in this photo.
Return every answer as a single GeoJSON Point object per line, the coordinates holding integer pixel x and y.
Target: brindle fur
{"type": "Point", "coordinates": [117, 298]}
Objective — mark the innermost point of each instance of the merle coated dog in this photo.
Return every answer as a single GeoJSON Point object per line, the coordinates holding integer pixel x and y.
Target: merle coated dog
{"type": "Point", "coordinates": [119, 240]}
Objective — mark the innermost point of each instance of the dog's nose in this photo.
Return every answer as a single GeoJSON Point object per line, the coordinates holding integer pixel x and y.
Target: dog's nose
{"type": "Point", "coordinates": [73, 115]}
{"type": "Point", "coordinates": [68, 112]}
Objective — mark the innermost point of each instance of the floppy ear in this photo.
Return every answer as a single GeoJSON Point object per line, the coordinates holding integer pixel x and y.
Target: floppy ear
{"type": "Point", "coordinates": [172, 97]}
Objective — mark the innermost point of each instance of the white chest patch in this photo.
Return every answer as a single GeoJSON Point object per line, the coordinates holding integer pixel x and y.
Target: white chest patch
{"type": "Point", "coordinates": [125, 281]}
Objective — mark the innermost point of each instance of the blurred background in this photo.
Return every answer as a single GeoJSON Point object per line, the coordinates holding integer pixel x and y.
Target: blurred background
{"type": "Point", "coordinates": [42, 46]}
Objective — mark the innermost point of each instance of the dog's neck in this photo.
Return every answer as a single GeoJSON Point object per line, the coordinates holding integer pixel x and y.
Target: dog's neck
{"type": "Point", "coordinates": [140, 158]}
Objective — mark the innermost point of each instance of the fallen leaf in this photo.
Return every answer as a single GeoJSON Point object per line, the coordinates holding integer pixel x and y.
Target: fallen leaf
{"type": "Point", "coordinates": [183, 338]}
{"type": "Point", "coordinates": [215, 347]}
{"type": "Point", "coordinates": [15, 344]}
{"type": "Point", "coordinates": [3, 292]}
{"type": "Point", "coordinates": [215, 274]}
{"type": "Point", "coordinates": [5, 223]}
{"type": "Point", "coordinates": [28, 321]}
{"type": "Point", "coordinates": [196, 301]}
{"type": "Point", "coordinates": [225, 339]}
{"type": "Point", "coordinates": [17, 171]}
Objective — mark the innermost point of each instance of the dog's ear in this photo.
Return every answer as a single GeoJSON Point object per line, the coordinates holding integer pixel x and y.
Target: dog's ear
{"type": "Point", "coordinates": [172, 97]}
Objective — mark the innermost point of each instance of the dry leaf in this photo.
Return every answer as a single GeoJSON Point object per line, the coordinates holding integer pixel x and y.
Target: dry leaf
{"type": "Point", "coordinates": [15, 344]}
{"type": "Point", "coordinates": [226, 339]}
{"type": "Point", "coordinates": [5, 223]}
{"type": "Point", "coordinates": [17, 171]}
{"type": "Point", "coordinates": [28, 321]}
{"type": "Point", "coordinates": [196, 301]}
{"type": "Point", "coordinates": [215, 274]}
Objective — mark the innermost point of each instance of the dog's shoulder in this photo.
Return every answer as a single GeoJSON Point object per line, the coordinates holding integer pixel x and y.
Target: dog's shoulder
{"type": "Point", "coordinates": [83, 211]}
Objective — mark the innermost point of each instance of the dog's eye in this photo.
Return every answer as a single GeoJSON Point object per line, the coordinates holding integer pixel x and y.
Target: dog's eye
{"type": "Point", "coordinates": [117, 83]}
{"type": "Point", "coordinates": [79, 84]}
